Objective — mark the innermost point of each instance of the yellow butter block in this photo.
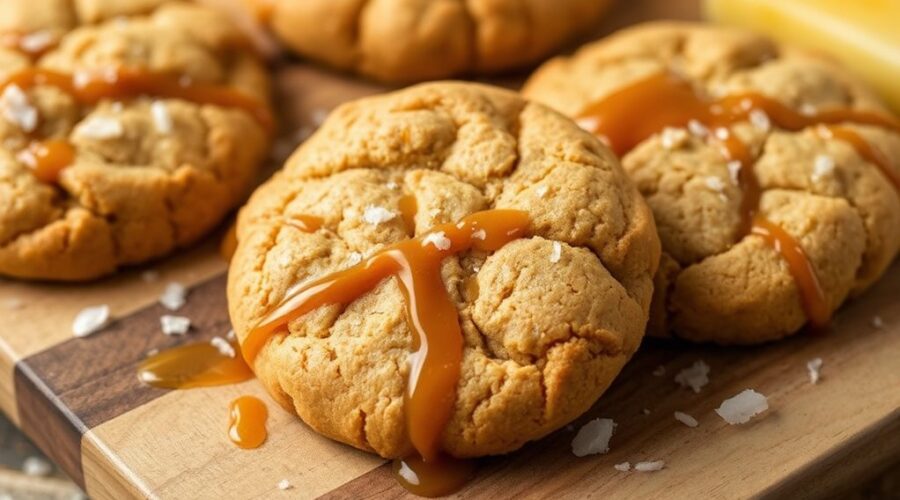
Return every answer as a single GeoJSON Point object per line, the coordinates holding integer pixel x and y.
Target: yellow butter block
{"type": "Point", "coordinates": [863, 34]}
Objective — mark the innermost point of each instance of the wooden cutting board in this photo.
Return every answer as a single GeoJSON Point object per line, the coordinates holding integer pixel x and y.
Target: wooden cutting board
{"type": "Point", "coordinates": [80, 401]}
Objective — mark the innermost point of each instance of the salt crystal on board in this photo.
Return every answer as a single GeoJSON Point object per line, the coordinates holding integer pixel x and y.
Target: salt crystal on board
{"type": "Point", "coordinates": [90, 320]}
{"type": "Point", "coordinates": [174, 325]}
{"type": "Point", "coordinates": [36, 466]}
{"type": "Point", "coordinates": [649, 466]}
{"type": "Point", "coordinates": [284, 484]}
{"type": "Point", "coordinates": [174, 296]}
{"type": "Point", "coordinates": [814, 367]}
{"type": "Point", "coordinates": [223, 346]}
{"type": "Point", "coordinates": [623, 467]}
{"type": "Point", "coordinates": [685, 419]}
{"type": "Point", "coordinates": [694, 377]}
{"type": "Point", "coordinates": [593, 437]}
{"type": "Point", "coordinates": [877, 322]}
{"type": "Point", "coordinates": [742, 407]}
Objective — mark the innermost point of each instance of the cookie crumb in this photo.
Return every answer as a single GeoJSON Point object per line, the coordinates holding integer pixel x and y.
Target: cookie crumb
{"type": "Point", "coordinates": [174, 325]}
{"type": "Point", "coordinates": [100, 127]}
{"type": "Point", "coordinates": [17, 109]}
{"type": "Point", "coordinates": [734, 171]}
{"type": "Point", "coordinates": [649, 466]}
{"type": "Point", "coordinates": [822, 166]}
{"type": "Point", "coordinates": [174, 296]}
{"type": "Point", "coordinates": [541, 190]}
{"type": "Point", "coordinates": [698, 129]}
{"type": "Point", "coordinates": [760, 120]}
{"type": "Point", "coordinates": [659, 371]}
{"type": "Point", "coordinates": [742, 407]}
{"type": "Point", "coordinates": [556, 253]}
{"type": "Point", "coordinates": [686, 419]}
{"type": "Point", "coordinates": [673, 137]}
{"type": "Point", "coordinates": [90, 320]}
{"type": "Point", "coordinates": [593, 437]}
{"type": "Point", "coordinates": [877, 322]}
{"type": "Point", "coordinates": [223, 346]}
{"type": "Point", "coordinates": [284, 484]}
{"type": "Point", "coordinates": [377, 215]}
{"type": "Point", "coordinates": [438, 239]}
{"type": "Point", "coordinates": [36, 466]}
{"type": "Point", "coordinates": [623, 467]}
{"type": "Point", "coordinates": [161, 119]}
{"type": "Point", "coordinates": [354, 258]}
{"type": "Point", "coordinates": [694, 377]}
{"type": "Point", "coordinates": [814, 367]}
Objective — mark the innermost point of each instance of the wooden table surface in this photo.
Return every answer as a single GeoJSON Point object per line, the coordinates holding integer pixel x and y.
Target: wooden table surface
{"type": "Point", "coordinates": [80, 401]}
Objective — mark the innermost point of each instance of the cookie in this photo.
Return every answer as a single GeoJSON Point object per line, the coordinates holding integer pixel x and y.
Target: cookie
{"type": "Point", "coordinates": [772, 174]}
{"type": "Point", "coordinates": [124, 140]}
{"type": "Point", "coordinates": [530, 249]}
{"type": "Point", "coordinates": [401, 41]}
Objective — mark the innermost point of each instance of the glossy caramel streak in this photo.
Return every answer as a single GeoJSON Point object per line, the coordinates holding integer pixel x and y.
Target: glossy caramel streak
{"type": "Point", "coordinates": [811, 295]}
{"type": "Point", "coordinates": [865, 150]}
{"type": "Point", "coordinates": [90, 87]}
{"type": "Point", "coordinates": [408, 209]}
{"type": "Point", "coordinates": [630, 115]}
{"type": "Point", "coordinates": [437, 478]}
{"type": "Point", "coordinates": [438, 342]}
{"type": "Point", "coordinates": [194, 365]}
{"type": "Point", "coordinates": [247, 422]}
{"type": "Point", "coordinates": [47, 159]}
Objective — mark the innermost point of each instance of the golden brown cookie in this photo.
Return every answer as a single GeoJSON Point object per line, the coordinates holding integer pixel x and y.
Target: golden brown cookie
{"type": "Point", "coordinates": [821, 153]}
{"type": "Point", "coordinates": [547, 320]}
{"type": "Point", "coordinates": [126, 139]}
{"type": "Point", "coordinates": [414, 40]}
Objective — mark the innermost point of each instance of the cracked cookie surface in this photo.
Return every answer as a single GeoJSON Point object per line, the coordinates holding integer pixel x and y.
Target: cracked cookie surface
{"type": "Point", "coordinates": [715, 284]}
{"type": "Point", "coordinates": [414, 40]}
{"type": "Point", "coordinates": [548, 320]}
{"type": "Point", "coordinates": [149, 173]}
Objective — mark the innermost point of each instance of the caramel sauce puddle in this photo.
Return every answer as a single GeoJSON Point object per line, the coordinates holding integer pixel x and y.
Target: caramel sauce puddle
{"type": "Point", "coordinates": [438, 342]}
{"type": "Point", "coordinates": [247, 422]}
{"type": "Point", "coordinates": [629, 116]}
{"type": "Point", "coordinates": [200, 364]}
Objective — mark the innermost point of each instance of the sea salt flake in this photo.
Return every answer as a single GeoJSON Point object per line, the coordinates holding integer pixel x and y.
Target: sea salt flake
{"type": "Point", "coordinates": [823, 165]}
{"type": "Point", "coordinates": [223, 346]}
{"type": "Point", "coordinates": [377, 215]}
{"type": "Point", "coordinates": [17, 109]}
{"type": "Point", "coordinates": [556, 252]}
{"type": "Point", "coordinates": [593, 437]}
{"type": "Point", "coordinates": [695, 377]}
{"type": "Point", "coordinates": [174, 296]}
{"type": "Point", "coordinates": [541, 191]}
{"type": "Point", "coordinates": [686, 419]}
{"type": "Point", "coordinates": [161, 118]}
{"type": "Point", "coordinates": [481, 234]}
{"type": "Point", "coordinates": [742, 407]}
{"type": "Point", "coordinates": [659, 371]}
{"type": "Point", "coordinates": [174, 325]}
{"type": "Point", "coordinates": [734, 171]}
{"type": "Point", "coordinates": [100, 127]}
{"type": "Point", "coordinates": [231, 335]}
{"type": "Point", "coordinates": [392, 185]}
{"type": "Point", "coordinates": [354, 258]}
{"type": "Point", "coordinates": [698, 129]}
{"type": "Point", "coordinates": [877, 322]}
{"type": "Point", "coordinates": [623, 467]}
{"type": "Point", "coordinates": [284, 484]}
{"type": "Point", "coordinates": [36, 466]}
{"type": "Point", "coordinates": [646, 411]}
{"type": "Point", "coordinates": [714, 183]}
{"type": "Point", "coordinates": [649, 466]}
{"type": "Point", "coordinates": [90, 320]}
{"type": "Point", "coordinates": [722, 133]}
{"type": "Point", "coordinates": [37, 41]}
{"type": "Point", "coordinates": [672, 137]}
{"type": "Point", "coordinates": [760, 120]}
{"type": "Point", "coordinates": [438, 239]}
{"type": "Point", "coordinates": [814, 367]}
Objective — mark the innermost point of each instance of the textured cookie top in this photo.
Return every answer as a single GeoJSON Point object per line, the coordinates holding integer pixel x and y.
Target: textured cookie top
{"type": "Point", "coordinates": [404, 41]}
{"type": "Point", "coordinates": [149, 169]}
{"type": "Point", "coordinates": [547, 320]}
{"type": "Point", "coordinates": [825, 191]}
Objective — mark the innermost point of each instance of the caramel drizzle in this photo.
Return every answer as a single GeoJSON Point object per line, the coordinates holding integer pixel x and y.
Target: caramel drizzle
{"type": "Point", "coordinates": [438, 342]}
{"type": "Point", "coordinates": [199, 364]}
{"type": "Point", "coordinates": [247, 422]}
{"type": "Point", "coordinates": [629, 116]}
{"type": "Point", "coordinates": [49, 157]}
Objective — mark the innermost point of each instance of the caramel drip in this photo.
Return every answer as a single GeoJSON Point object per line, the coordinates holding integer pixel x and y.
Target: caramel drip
{"type": "Point", "coordinates": [129, 83]}
{"type": "Point", "coordinates": [629, 116]}
{"type": "Point", "coordinates": [247, 422]}
{"type": "Point", "coordinates": [408, 209]}
{"type": "Point", "coordinates": [47, 159]}
{"type": "Point", "coordinates": [437, 341]}
{"type": "Point", "coordinates": [432, 479]}
{"type": "Point", "coordinates": [865, 150]}
{"type": "Point", "coordinates": [194, 365]}
{"type": "Point", "coordinates": [811, 294]}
